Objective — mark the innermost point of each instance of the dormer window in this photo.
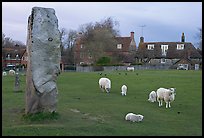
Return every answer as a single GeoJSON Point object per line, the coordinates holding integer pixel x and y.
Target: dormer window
{"type": "Point", "coordinates": [119, 46]}
{"type": "Point", "coordinates": [164, 49]}
{"type": "Point", "coordinates": [180, 46]}
{"type": "Point", "coordinates": [150, 46]}
{"type": "Point", "coordinates": [8, 56]}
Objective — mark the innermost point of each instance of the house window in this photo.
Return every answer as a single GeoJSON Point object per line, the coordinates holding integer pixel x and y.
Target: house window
{"type": "Point", "coordinates": [8, 56]}
{"type": "Point", "coordinates": [180, 46]}
{"type": "Point", "coordinates": [17, 56]}
{"type": "Point", "coordinates": [119, 46]}
{"type": "Point", "coordinates": [81, 45]}
{"type": "Point", "coordinates": [163, 60]}
{"type": "Point", "coordinates": [164, 49]}
{"type": "Point", "coordinates": [81, 55]}
{"type": "Point", "coordinates": [150, 46]}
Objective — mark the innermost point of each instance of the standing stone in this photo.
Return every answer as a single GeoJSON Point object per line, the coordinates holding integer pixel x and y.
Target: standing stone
{"type": "Point", "coordinates": [43, 48]}
{"type": "Point", "coordinates": [17, 83]}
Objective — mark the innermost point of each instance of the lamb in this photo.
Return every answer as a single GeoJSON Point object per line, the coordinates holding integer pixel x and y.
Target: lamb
{"type": "Point", "coordinates": [124, 90]}
{"type": "Point", "coordinates": [127, 117]}
{"type": "Point", "coordinates": [4, 73]}
{"type": "Point", "coordinates": [168, 95]}
{"type": "Point", "coordinates": [130, 68]}
{"type": "Point", "coordinates": [105, 84]}
{"type": "Point", "coordinates": [152, 96]}
{"type": "Point", "coordinates": [133, 117]}
{"type": "Point", "coordinates": [12, 72]}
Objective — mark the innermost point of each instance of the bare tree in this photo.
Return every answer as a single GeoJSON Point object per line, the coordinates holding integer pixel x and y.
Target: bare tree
{"type": "Point", "coordinates": [8, 42]}
{"type": "Point", "coordinates": [199, 38]}
{"type": "Point", "coordinates": [67, 43]}
{"type": "Point", "coordinates": [98, 38]}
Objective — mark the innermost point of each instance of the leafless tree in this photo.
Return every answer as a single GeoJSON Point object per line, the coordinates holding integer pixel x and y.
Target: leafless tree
{"type": "Point", "coordinates": [67, 43]}
{"type": "Point", "coordinates": [8, 42]}
{"type": "Point", "coordinates": [98, 38]}
{"type": "Point", "coordinates": [199, 38]}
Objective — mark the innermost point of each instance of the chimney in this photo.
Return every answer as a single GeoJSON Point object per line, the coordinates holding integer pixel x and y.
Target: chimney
{"type": "Point", "coordinates": [182, 38]}
{"type": "Point", "coordinates": [141, 39]}
{"type": "Point", "coordinates": [132, 35]}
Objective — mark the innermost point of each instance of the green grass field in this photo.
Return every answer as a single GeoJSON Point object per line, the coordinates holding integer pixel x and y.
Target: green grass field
{"type": "Point", "coordinates": [86, 111]}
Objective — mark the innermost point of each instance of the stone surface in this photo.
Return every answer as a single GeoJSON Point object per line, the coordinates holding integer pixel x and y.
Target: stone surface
{"type": "Point", "coordinates": [17, 83]}
{"type": "Point", "coordinates": [43, 47]}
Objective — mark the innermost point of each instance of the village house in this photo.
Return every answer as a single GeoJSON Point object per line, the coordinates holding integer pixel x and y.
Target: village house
{"type": "Point", "coordinates": [12, 56]}
{"type": "Point", "coordinates": [177, 55]}
{"type": "Point", "coordinates": [125, 46]}
{"type": "Point", "coordinates": [17, 57]}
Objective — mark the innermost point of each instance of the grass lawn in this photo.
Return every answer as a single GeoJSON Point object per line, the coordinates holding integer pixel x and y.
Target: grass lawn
{"type": "Point", "coordinates": [86, 111]}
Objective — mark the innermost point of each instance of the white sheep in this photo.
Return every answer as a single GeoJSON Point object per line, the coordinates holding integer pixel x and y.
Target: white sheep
{"type": "Point", "coordinates": [130, 68]}
{"type": "Point", "coordinates": [127, 117]}
{"type": "Point", "coordinates": [4, 73]}
{"type": "Point", "coordinates": [124, 90]}
{"type": "Point", "coordinates": [134, 117]}
{"type": "Point", "coordinates": [152, 96]}
{"type": "Point", "coordinates": [12, 72]}
{"type": "Point", "coordinates": [168, 95]}
{"type": "Point", "coordinates": [105, 84]}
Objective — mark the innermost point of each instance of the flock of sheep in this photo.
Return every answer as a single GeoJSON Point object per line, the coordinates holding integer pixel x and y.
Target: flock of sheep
{"type": "Point", "coordinates": [162, 94]}
{"type": "Point", "coordinates": [11, 72]}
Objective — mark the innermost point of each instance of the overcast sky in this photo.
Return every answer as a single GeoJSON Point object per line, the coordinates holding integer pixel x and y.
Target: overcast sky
{"type": "Point", "coordinates": [163, 21]}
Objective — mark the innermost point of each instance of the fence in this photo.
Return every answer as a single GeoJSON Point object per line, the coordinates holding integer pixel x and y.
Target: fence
{"type": "Point", "coordinates": [119, 68]}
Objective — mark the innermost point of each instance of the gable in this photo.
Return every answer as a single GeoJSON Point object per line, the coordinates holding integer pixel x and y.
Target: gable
{"type": "Point", "coordinates": [125, 41]}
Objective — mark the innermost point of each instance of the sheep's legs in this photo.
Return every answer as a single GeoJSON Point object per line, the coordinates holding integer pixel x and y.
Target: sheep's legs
{"type": "Point", "coordinates": [160, 102]}
{"type": "Point", "coordinates": [168, 104]}
{"type": "Point", "coordinates": [102, 89]}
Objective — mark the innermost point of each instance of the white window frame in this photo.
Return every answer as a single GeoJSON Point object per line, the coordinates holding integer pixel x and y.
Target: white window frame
{"type": "Point", "coordinates": [81, 46]}
{"type": "Point", "coordinates": [164, 49]}
{"type": "Point", "coordinates": [180, 46]}
{"type": "Point", "coordinates": [163, 60]}
{"type": "Point", "coordinates": [150, 46]}
{"type": "Point", "coordinates": [119, 46]}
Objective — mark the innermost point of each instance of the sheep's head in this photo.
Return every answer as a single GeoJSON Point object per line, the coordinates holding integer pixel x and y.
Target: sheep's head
{"type": "Point", "coordinates": [107, 90]}
{"type": "Point", "coordinates": [172, 89]}
{"type": "Point", "coordinates": [141, 117]}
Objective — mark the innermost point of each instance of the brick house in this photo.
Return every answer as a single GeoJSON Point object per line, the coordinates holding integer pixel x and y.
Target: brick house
{"type": "Point", "coordinates": [125, 46]}
{"type": "Point", "coordinates": [12, 56]}
{"type": "Point", "coordinates": [174, 54]}
{"type": "Point", "coordinates": [17, 55]}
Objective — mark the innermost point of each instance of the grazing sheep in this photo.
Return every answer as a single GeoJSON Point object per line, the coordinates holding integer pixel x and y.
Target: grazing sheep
{"type": "Point", "coordinates": [105, 84]}
{"type": "Point", "coordinates": [168, 95]}
{"type": "Point", "coordinates": [152, 96]}
{"type": "Point", "coordinates": [12, 72]}
{"type": "Point", "coordinates": [127, 117]}
{"type": "Point", "coordinates": [124, 90]}
{"type": "Point", "coordinates": [133, 117]}
{"type": "Point", "coordinates": [4, 73]}
{"type": "Point", "coordinates": [130, 68]}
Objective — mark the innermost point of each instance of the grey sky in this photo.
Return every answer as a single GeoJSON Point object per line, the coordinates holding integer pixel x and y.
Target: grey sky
{"type": "Point", "coordinates": [165, 21]}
